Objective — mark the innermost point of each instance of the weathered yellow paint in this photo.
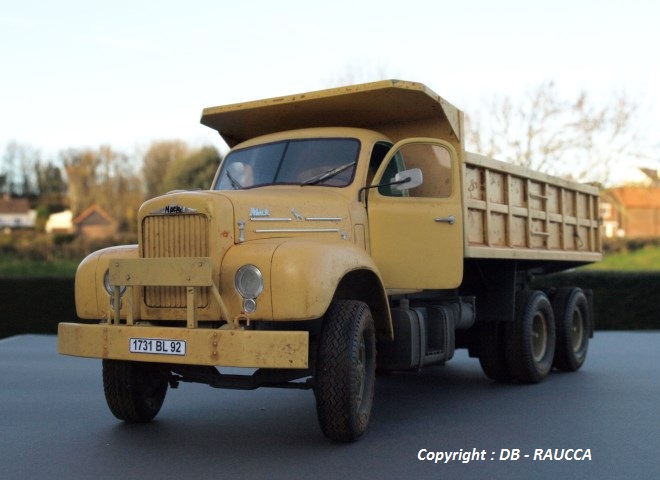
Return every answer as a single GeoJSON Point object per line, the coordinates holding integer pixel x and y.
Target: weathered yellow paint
{"type": "Point", "coordinates": [513, 212]}
{"type": "Point", "coordinates": [391, 107]}
{"type": "Point", "coordinates": [411, 248]}
{"type": "Point", "coordinates": [216, 347]}
{"type": "Point", "coordinates": [313, 238]}
{"type": "Point", "coordinates": [189, 272]}
{"type": "Point", "coordinates": [178, 271]}
{"type": "Point", "coordinates": [258, 253]}
{"type": "Point", "coordinates": [303, 281]}
{"type": "Point", "coordinates": [92, 301]}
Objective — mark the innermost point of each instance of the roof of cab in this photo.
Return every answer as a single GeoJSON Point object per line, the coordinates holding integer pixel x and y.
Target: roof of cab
{"type": "Point", "coordinates": [386, 106]}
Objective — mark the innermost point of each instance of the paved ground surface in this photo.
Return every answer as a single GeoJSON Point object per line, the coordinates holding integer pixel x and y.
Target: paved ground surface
{"type": "Point", "coordinates": [54, 423]}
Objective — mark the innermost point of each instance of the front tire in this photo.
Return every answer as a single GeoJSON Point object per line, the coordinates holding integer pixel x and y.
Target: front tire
{"type": "Point", "coordinates": [531, 338]}
{"type": "Point", "coordinates": [345, 370]}
{"type": "Point", "coordinates": [134, 391]}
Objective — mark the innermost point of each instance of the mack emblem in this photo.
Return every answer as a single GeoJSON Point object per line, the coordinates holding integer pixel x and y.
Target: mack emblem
{"type": "Point", "coordinates": [259, 212]}
{"type": "Point", "coordinates": [170, 209]}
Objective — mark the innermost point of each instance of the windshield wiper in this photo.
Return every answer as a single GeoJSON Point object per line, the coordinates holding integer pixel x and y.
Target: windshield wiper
{"type": "Point", "coordinates": [234, 183]}
{"type": "Point", "coordinates": [322, 177]}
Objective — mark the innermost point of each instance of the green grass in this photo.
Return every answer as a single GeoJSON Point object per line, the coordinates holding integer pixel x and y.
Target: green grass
{"type": "Point", "coordinates": [12, 267]}
{"type": "Point", "coordinates": [643, 259]}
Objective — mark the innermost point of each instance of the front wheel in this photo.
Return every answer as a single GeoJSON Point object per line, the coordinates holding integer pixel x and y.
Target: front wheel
{"type": "Point", "coordinates": [134, 391]}
{"type": "Point", "coordinates": [345, 370]}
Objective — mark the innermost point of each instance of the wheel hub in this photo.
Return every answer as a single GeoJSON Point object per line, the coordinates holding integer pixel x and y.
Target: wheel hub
{"type": "Point", "coordinates": [539, 337]}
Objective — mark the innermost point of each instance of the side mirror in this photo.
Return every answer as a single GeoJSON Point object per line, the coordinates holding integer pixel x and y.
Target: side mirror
{"type": "Point", "coordinates": [408, 179]}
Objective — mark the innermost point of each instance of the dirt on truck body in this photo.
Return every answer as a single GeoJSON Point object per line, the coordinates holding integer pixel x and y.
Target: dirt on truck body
{"type": "Point", "coordinates": [346, 230]}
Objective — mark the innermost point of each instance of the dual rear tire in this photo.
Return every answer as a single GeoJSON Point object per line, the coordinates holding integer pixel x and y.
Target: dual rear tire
{"type": "Point", "coordinates": [574, 328]}
{"type": "Point", "coordinates": [530, 342]}
{"type": "Point", "coordinates": [544, 334]}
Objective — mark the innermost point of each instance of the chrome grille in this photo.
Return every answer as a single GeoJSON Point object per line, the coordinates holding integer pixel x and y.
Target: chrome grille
{"type": "Point", "coordinates": [181, 235]}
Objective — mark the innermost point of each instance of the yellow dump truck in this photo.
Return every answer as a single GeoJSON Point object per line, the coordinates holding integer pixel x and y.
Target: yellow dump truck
{"type": "Point", "coordinates": [346, 231]}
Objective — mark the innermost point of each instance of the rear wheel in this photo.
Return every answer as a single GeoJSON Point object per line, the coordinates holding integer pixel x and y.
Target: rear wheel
{"type": "Point", "coordinates": [573, 322]}
{"type": "Point", "coordinates": [134, 391]}
{"type": "Point", "coordinates": [531, 338]}
{"type": "Point", "coordinates": [345, 370]}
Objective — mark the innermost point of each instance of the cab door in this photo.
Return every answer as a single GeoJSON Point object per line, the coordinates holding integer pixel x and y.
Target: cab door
{"type": "Point", "coordinates": [416, 235]}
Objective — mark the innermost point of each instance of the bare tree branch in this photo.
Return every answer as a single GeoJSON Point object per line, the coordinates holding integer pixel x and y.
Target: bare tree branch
{"type": "Point", "coordinates": [571, 138]}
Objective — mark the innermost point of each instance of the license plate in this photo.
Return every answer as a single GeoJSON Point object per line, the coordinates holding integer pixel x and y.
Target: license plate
{"type": "Point", "coordinates": [158, 346]}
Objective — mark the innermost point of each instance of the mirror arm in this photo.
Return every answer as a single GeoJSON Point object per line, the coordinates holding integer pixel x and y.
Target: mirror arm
{"type": "Point", "coordinates": [398, 182]}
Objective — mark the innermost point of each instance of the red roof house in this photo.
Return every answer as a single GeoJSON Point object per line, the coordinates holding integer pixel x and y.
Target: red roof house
{"type": "Point", "coordinates": [631, 212]}
{"type": "Point", "coordinates": [95, 222]}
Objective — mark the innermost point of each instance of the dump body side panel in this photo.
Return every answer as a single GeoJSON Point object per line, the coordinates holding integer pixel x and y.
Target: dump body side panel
{"type": "Point", "coordinates": [516, 213]}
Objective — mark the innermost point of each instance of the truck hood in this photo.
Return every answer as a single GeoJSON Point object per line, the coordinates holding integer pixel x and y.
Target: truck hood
{"type": "Point", "coordinates": [288, 212]}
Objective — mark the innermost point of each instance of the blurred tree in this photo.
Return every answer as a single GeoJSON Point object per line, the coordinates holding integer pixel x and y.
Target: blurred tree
{"type": "Point", "coordinates": [194, 171]}
{"type": "Point", "coordinates": [17, 174]}
{"type": "Point", "coordinates": [52, 187]}
{"type": "Point", "coordinates": [120, 187]}
{"type": "Point", "coordinates": [156, 162]}
{"type": "Point", "coordinates": [104, 177]}
{"type": "Point", "coordinates": [81, 169]}
{"type": "Point", "coordinates": [570, 138]}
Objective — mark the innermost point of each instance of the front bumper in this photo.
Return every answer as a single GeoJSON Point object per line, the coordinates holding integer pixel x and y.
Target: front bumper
{"type": "Point", "coordinates": [213, 347]}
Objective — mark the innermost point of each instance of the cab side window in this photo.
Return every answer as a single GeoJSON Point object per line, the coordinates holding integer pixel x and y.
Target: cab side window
{"type": "Point", "coordinates": [395, 166]}
{"type": "Point", "coordinates": [435, 163]}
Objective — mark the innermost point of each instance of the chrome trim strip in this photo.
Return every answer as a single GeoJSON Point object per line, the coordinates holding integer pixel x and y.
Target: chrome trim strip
{"type": "Point", "coordinates": [289, 219]}
{"type": "Point", "coordinates": [298, 230]}
{"type": "Point", "coordinates": [324, 219]}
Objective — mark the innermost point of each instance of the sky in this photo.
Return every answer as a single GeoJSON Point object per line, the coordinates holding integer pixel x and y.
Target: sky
{"type": "Point", "coordinates": [78, 74]}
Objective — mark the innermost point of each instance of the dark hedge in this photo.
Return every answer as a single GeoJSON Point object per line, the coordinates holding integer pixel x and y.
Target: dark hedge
{"type": "Point", "coordinates": [622, 300]}
{"type": "Point", "coordinates": [35, 305]}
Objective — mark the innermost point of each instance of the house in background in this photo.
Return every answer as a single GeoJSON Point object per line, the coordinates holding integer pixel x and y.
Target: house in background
{"type": "Point", "coordinates": [60, 223]}
{"type": "Point", "coordinates": [16, 213]}
{"type": "Point", "coordinates": [95, 222]}
{"type": "Point", "coordinates": [631, 212]}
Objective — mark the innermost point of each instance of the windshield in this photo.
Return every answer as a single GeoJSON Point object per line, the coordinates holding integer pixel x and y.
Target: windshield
{"type": "Point", "coordinates": [311, 161]}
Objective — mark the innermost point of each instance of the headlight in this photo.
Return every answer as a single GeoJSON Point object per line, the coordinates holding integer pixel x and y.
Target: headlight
{"type": "Point", "coordinates": [249, 281]}
{"type": "Point", "coordinates": [110, 288]}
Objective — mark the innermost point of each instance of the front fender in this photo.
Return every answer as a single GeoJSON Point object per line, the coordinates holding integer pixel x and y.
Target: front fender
{"type": "Point", "coordinates": [92, 301]}
{"type": "Point", "coordinates": [305, 275]}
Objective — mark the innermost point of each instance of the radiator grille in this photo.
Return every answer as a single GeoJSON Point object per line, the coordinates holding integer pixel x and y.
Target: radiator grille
{"type": "Point", "coordinates": [182, 235]}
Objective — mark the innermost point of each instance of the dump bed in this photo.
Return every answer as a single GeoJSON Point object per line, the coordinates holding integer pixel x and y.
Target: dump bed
{"type": "Point", "coordinates": [515, 212]}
